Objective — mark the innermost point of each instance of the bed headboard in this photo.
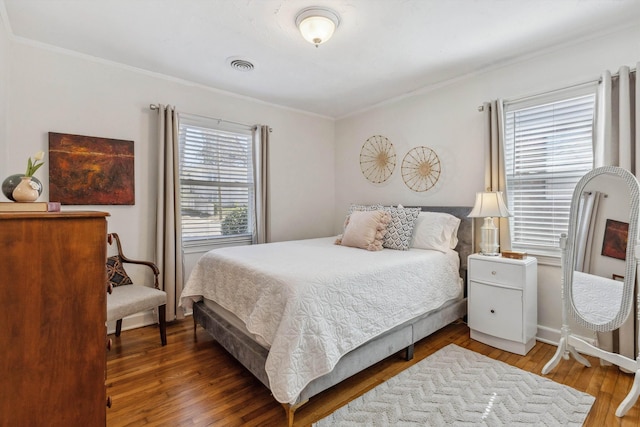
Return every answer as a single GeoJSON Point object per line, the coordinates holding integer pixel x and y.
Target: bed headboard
{"type": "Point", "coordinates": [465, 231]}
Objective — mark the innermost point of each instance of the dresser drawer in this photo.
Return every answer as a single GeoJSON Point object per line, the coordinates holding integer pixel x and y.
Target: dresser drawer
{"type": "Point", "coordinates": [496, 272]}
{"type": "Point", "coordinates": [495, 311]}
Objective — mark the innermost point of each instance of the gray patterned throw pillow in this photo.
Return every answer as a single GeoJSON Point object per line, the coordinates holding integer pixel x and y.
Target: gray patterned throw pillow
{"type": "Point", "coordinates": [400, 229]}
{"type": "Point", "coordinates": [354, 207]}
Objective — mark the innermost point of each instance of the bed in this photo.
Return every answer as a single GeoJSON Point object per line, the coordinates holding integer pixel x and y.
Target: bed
{"type": "Point", "coordinates": [308, 326]}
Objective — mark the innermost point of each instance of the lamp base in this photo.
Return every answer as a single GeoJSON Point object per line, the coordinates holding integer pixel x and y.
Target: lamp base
{"type": "Point", "coordinates": [489, 238]}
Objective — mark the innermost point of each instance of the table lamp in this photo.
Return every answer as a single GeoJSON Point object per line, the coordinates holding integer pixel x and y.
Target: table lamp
{"type": "Point", "coordinates": [489, 204]}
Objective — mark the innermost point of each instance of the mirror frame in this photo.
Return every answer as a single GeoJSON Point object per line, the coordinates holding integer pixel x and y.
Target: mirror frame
{"type": "Point", "coordinates": [568, 261]}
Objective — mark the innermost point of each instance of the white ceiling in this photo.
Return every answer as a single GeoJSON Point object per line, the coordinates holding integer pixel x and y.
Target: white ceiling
{"type": "Point", "coordinates": [382, 49]}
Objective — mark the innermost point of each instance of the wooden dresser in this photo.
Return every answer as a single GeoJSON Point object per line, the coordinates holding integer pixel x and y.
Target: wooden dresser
{"type": "Point", "coordinates": [52, 319]}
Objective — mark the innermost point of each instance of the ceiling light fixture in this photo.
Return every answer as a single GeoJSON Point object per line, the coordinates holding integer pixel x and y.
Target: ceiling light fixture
{"type": "Point", "coordinates": [317, 24]}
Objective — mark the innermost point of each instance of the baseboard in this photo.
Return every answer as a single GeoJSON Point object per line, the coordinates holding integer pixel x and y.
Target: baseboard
{"type": "Point", "coordinates": [134, 321]}
{"type": "Point", "coordinates": [504, 344]}
{"type": "Point", "coordinates": [552, 336]}
{"type": "Point", "coordinates": [548, 335]}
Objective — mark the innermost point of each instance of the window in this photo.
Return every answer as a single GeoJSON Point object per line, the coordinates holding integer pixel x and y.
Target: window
{"type": "Point", "coordinates": [216, 182]}
{"type": "Point", "coordinates": [548, 148]}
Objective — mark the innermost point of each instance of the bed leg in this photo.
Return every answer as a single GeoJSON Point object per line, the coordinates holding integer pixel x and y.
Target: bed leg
{"type": "Point", "coordinates": [409, 352]}
{"type": "Point", "coordinates": [195, 326]}
{"type": "Point", "coordinates": [291, 409]}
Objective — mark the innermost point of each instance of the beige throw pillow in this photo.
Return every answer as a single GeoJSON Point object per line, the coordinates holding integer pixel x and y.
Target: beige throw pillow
{"type": "Point", "coordinates": [365, 230]}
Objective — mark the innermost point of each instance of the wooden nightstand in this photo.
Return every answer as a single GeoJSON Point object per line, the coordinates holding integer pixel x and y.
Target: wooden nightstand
{"type": "Point", "coordinates": [503, 302]}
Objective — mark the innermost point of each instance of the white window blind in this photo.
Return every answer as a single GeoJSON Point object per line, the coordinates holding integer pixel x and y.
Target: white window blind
{"type": "Point", "coordinates": [548, 147]}
{"type": "Point", "coordinates": [216, 182]}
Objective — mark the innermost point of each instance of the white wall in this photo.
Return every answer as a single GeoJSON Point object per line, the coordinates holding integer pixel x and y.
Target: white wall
{"type": "Point", "coordinates": [447, 120]}
{"type": "Point", "coordinates": [314, 161]}
{"type": "Point", "coordinates": [4, 78]}
{"type": "Point", "coordinates": [52, 91]}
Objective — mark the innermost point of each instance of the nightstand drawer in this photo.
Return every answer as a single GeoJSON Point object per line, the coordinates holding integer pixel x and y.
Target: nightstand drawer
{"type": "Point", "coordinates": [495, 311]}
{"type": "Point", "coordinates": [501, 273]}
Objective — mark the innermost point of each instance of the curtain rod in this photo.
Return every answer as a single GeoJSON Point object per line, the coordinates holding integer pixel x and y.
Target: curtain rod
{"type": "Point", "coordinates": [573, 86]}
{"type": "Point", "coordinates": [598, 80]}
{"type": "Point", "coordinates": [157, 107]}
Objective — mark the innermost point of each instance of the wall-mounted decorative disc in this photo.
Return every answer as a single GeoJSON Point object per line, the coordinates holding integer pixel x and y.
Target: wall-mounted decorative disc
{"type": "Point", "coordinates": [420, 169]}
{"type": "Point", "coordinates": [377, 159]}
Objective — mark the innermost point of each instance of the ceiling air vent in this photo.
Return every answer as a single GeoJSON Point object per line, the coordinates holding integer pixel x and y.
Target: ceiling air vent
{"type": "Point", "coordinates": [240, 64]}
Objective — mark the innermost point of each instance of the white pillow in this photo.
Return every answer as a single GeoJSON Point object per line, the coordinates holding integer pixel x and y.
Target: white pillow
{"type": "Point", "coordinates": [435, 230]}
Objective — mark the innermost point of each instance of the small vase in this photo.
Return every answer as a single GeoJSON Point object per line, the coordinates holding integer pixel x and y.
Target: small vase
{"type": "Point", "coordinates": [26, 191]}
{"type": "Point", "coordinates": [12, 181]}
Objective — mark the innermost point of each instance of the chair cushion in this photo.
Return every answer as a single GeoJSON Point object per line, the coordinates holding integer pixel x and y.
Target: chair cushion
{"type": "Point", "coordinates": [115, 272]}
{"type": "Point", "coordinates": [131, 299]}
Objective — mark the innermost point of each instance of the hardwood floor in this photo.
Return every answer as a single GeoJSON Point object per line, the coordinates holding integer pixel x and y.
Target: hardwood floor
{"type": "Point", "coordinates": [188, 383]}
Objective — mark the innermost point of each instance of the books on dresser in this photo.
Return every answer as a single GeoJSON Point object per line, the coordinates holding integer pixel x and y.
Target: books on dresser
{"type": "Point", "coordinates": [30, 207]}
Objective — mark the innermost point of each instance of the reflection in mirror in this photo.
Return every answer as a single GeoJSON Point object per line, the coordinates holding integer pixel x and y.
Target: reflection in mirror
{"type": "Point", "coordinates": [599, 246]}
{"type": "Point", "coordinates": [596, 299]}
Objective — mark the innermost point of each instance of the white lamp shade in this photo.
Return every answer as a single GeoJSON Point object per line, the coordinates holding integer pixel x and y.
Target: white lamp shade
{"type": "Point", "coordinates": [489, 204]}
{"type": "Point", "coordinates": [317, 24]}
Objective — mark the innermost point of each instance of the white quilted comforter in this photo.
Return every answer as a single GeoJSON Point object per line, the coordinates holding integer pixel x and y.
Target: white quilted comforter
{"type": "Point", "coordinates": [596, 298]}
{"type": "Point", "coordinates": [313, 301]}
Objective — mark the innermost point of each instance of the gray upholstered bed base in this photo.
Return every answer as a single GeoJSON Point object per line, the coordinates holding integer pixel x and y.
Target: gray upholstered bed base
{"type": "Point", "coordinates": [253, 356]}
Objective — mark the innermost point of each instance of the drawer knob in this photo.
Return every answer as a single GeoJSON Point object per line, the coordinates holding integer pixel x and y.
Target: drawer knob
{"type": "Point", "coordinates": [493, 311]}
{"type": "Point", "coordinates": [109, 343]}
{"type": "Point", "coordinates": [109, 402]}
{"type": "Point", "coordinates": [493, 273]}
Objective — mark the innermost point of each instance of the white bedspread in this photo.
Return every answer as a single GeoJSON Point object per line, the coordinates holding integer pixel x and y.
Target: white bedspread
{"type": "Point", "coordinates": [596, 298]}
{"type": "Point", "coordinates": [314, 301]}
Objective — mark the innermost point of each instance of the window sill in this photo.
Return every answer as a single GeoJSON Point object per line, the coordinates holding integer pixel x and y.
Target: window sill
{"type": "Point", "coordinates": [551, 257]}
{"type": "Point", "coordinates": [203, 248]}
{"type": "Point", "coordinates": [546, 259]}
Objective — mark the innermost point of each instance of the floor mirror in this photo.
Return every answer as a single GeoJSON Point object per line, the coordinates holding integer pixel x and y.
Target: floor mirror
{"type": "Point", "coordinates": [599, 266]}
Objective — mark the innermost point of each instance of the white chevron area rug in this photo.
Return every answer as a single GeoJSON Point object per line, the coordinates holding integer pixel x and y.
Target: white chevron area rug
{"type": "Point", "coordinates": [458, 387]}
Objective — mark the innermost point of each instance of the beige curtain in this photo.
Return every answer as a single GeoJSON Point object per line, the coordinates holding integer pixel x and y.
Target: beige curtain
{"type": "Point", "coordinates": [261, 231]}
{"type": "Point", "coordinates": [616, 144]}
{"type": "Point", "coordinates": [494, 179]}
{"type": "Point", "coordinates": [586, 224]}
{"type": "Point", "coordinates": [618, 121]}
{"type": "Point", "coordinates": [169, 256]}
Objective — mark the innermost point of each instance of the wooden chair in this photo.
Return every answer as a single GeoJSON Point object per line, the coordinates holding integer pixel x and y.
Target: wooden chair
{"type": "Point", "coordinates": [127, 298]}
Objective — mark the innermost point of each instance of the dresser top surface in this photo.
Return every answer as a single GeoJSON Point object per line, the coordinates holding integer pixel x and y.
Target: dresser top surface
{"type": "Point", "coordinates": [52, 215]}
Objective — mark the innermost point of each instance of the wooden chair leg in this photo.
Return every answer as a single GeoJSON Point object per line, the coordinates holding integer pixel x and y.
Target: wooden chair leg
{"type": "Point", "coordinates": [162, 320]}
{"type": "Point", "coordinates": [118, 327]}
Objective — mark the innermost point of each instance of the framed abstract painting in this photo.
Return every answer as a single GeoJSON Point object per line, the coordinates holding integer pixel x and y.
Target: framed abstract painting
{"type": "Point", "coordinates": [614, 244]}
{"type": "Point", "coordinates": [88, 170]}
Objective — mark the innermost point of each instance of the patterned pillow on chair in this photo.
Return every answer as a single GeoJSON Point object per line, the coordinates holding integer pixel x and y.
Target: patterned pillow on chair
{"type": "Point", "coordinates": [116, 275]}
